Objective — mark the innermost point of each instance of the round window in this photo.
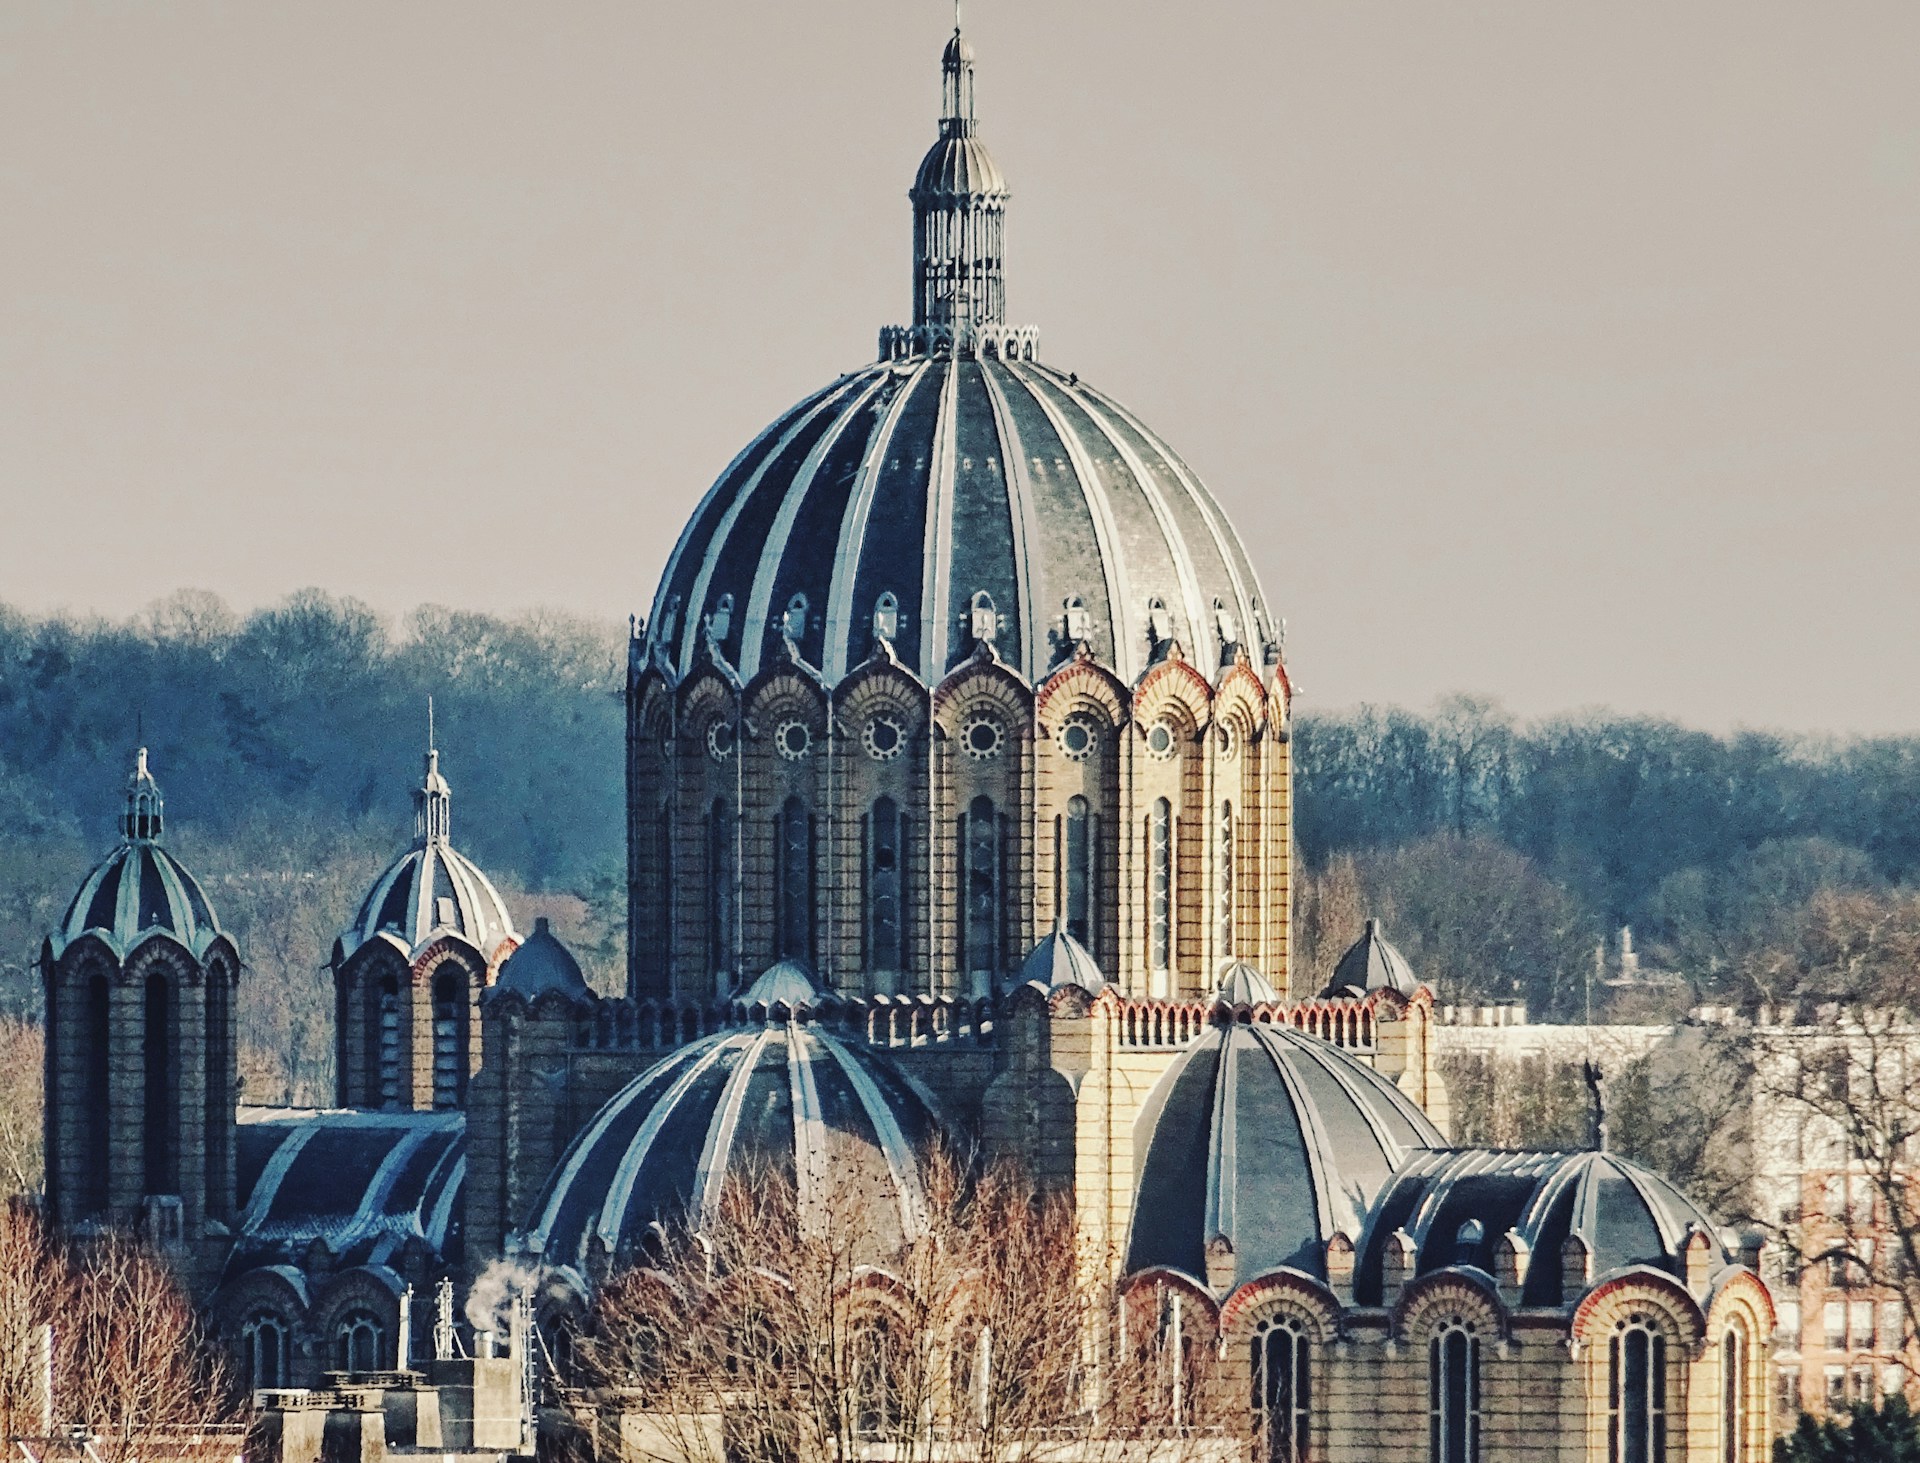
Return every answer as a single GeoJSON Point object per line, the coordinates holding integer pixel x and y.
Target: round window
{"type": "Point", "coordinates": [883, 738]}
{"type": "Point", "coordinates": [1078, 739]}
{"type": "Point", "coordinates": [981, 738]}
{"type": "Point", "coordinates": [1228, 743]}
{"type": "Point", "coordinates": [1160, 740]}
{"type": "Point", "coordinates": [720, 740]}
{"type": "Point", "coordinates": [791, 740]}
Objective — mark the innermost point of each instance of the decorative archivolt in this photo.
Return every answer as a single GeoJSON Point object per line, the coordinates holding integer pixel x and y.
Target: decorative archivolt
{"type": "Point", "coordinates": [460, 952]}
{"type": "Point", "coordinates": [163, 954]}
{"type": "Point", "coordinates": [1173, 690]}
{"type": "Point", "coordinates": [783, 693]}
{"type": "Point", "coordinates": [705, 697]}
{"type": "Point", "coordinates": [1082, 685]}
{"type": "Point", "coordinates": [1291, 1293]}
{"type": "Point", "coordinates": [1431, 1301]}
{"type": "Point", "coordinates": [1740, 1296]}
{"type": "Point", "coordinates": [883, 684]}
{"type": "Point", "coordinates": [981, 682]}
{"type": "Point", "coordinates": [1147, 1287]}
{"type": "Point", "coordinates": [1642, 1290]}
{"type": "Point", "coordinates": [1240, 704]}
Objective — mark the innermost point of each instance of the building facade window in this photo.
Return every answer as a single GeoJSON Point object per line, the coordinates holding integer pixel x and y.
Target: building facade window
{"type": "Point", "coordinates": [886, 915]}
{"type": "Point", "coordinates": [1636, 1393]}
{"type": "Point", "coordinates": [161, 1094]}
{"type": "Point", "coordinates": [793, 882]}
{"type": "Point", "coordinates": [264, 1351]}
{"type": "Point", "coordinates": [359, 1343]}
{"type": "Point", "coordinates": [1733, 1396]}
{"type": "Point", "coordinates": [449, 1039]}
{"type": "Point", "coordinates": [876, 1389]}
{"type": "Point", "coordinates": [980, 888]}
{"type": "Point", "coordinates": [1453, 1394]}
{"type": "Point", "coordinates": [1223, 886]}
{"type": "Point", "coordinates": [98, 1087]}
{"type": "Point", "coordinates": [1282, 1395]}
{"type": "Point", "coordinates": [1160, 891]}
{"type": "Point", "coordinates": [722, 890]}
{"type": "Point", "coordinates": [1077, 857]}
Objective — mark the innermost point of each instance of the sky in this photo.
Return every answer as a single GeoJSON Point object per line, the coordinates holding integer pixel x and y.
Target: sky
{"type": "Point", "coordinates": [1563, 353]}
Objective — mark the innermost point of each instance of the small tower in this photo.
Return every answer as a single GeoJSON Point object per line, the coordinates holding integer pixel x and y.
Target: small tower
{"type": "Point", "coordinates": [141, 1068]}
{"type": "Point", "coordinates": [408, 972]}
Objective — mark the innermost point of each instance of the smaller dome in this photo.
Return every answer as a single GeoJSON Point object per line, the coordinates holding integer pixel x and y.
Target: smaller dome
{"type": "Point", "coordinates": [834, 1120]}
{"type": "Point", "coordinates": [1060, 960]}
{"type": "Point", "coordinates": [784, 983]}
{"type": "Point", "coordinates": [1257, 1146]}
{"type": "Point", "coordinates": [1243, 985]}
{"type": "Point", "coordinates": [1456, 1206]}
{"type": "Point", "coordinates": [431, 890]}
{"type": "Point", "coordinates": [1371, 965]}
{"type": "Point", "coordinates": [959, 51]}
{"type": "Point", "coordinates": [139, 891]}
{"type": "Point", "coordinates": [542, 966]}
{"type": "Point", "coordinates": [959, 167]}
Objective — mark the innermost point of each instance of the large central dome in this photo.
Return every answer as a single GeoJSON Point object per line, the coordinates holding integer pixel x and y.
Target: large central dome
{"type": "Point", "coordinates": [959, 491]}
{"type": "Point", "coordinates": [893, 500]}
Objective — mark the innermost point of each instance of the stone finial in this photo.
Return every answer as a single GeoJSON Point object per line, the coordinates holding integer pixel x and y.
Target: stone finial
{"type": "Point", "coordinates": [1696, 1253]}
{"type": "Point", "coordinates": [1398, 1262]}
{"type": "Point", "coordinates": [1511, 1256]}
{"type": "Point", "coordinates": [1340, 1267]}
{"type": "Point", "coordinates": [1576, 1268]}
{"type": "Point", "coordinates": [1220, 1264]}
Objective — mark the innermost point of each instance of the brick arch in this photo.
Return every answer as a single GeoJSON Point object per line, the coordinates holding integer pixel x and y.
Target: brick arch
{"type": "Point", "coordinates": [1082, 685]}
{"type": "Point", "coordinates": [1433, 1298]}
{"type": "Point", "coordinates": [980, 683]}
{"type": "Point", "coordinates": [1642, 1286]}
{"type": "Point", "coordinates": [1240, 702]}
{"type": "Point", "coordinates": [1175, 688]}
{"type": "Point", "coordinates": [782, 691]}
{"type": "Point", "coordinates": [1143, 1284]}
{"type": "Point", "coordinates": [1282, 1292]}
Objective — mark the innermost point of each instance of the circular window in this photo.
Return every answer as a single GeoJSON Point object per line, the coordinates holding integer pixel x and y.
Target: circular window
{"type": "Point", "coordinates": [791, 740]}
{"type": "Point", "coordinates": [883, 738]}
{"type": "Point", "coordinates": [981, 738]}
{"type": "Point", "coordinates": [1078, 739]}
{"type": "Point", "coordinates": [720, 738]}
{"type": "Point", "coordinates": [1160, 740]}
{"type": "Point", "coordinates": [1225, 739]}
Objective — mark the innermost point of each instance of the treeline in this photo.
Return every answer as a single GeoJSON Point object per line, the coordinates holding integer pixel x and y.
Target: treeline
{"type": "Point", "coordinates": [1499, 853]}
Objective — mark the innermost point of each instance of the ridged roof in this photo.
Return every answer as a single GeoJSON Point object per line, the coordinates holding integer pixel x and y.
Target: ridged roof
{"type": "Point", "coordinates": [931, 481]}
{"type": "Point", "coordinates": [1372, 964]}
{"type": "Point", "coordinates": [364, 1183]}
{"type": "Point", "coordinates": [1060, 960]}
{"type": "Point", "coordinates": [431, 890]}
{"type": "Point", "coordinates": [826, 1115]}
{"type": "Point", "coordinates": [541, 966]}
{"type": "Point", "coordinates": [139, 891]}
{"type": "Point", "coordinates": [1268, 1139]}
{"type": "Point", "coordinates": [1455, 1207]}
{"type": "Point", "coordinates": [1242, 984]}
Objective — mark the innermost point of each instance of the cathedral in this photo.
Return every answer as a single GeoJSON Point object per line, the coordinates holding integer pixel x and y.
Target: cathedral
{"type": "Point", "coordinates": [959, 803]}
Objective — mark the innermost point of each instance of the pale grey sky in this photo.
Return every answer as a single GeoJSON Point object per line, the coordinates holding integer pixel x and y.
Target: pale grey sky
{"type": "Point", "coordinates": [1564, 352]}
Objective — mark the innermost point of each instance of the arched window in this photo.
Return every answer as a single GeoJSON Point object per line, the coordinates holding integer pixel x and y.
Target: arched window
{"type": "Point", "coordinates": [386, 1036]}
{"type": "Point", "coordinates": [721, 892]}
{"type": "Point", "coordinates": [93, 1196]}
{"type": "Point", "coordinates": [968, 1372]}
{"type": "Point", "coordinates": [1223, 886]}
{"type": "Point", "coordinates": [449, 1038]}
{"type": "Point", "coordinates": [1636, 1392]}
{"type": "Point", "coordinates": [1453, 1394]}
{"type": "Point", "coordinates": [1160, 890]}
{"type": "Point", "coordinates": [217, 1095]}
{"type": "Point", "coordinates": [793, 882]}
{"type": "Point", "coordinates": [980, 886]}
{"type": "Point", "coordinates": [264, 1351]}
{"type": "Point", "coordinates": [1733, 1396]}
{"type": "Point", "coordinates": [161, 1093]}
{"type": "Point", "coordinates": [1282, 1396]}
{"type": "Point", "coordinates": [875, 1380]}
{"type": "Point", "coordinates": [655, 957]}
{"type": "Point", "coordinates": [1077, 856]}
{"type": "Point", "coordinates": [886, 916]}
{"type": "Point", "coordinates": [359, 1343]}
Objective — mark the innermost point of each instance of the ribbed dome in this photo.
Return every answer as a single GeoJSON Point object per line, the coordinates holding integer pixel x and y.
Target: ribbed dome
{"type": "Point", "coordinates": [1371, 964]}
{"type": "Point", "coordinates": [1269, 1140]}
{"type": "Point", "coordinates": [1060, 960]}
{"type": "Point", "coordinates": [426, 893]}
{"type": "Point", "coordinates": [542, 966]}
{"type": "Point", "coordinates": [958, 166]}
{"type": "Point", "coordinates": [140, 891]}
{"type": "Point", "coordinates": [886, 503]}
{"type": "Point", "coordinates": [1243, 985]}
{"type": "Point", "coordinates": [431, 890]}
{"type": "Point", "coordinates": [1456, 1206]}
{"type": "Point", "coordinates": [831, 1118]}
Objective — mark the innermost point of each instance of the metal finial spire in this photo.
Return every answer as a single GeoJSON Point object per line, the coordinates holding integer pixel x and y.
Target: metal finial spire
{"type": "Point", "coordinates": [433, 800]}
{"type": "Point", "coordinates": [430, 744]}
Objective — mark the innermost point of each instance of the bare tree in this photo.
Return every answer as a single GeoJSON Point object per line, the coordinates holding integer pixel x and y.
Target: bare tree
{"type": "Point", "coordinates": [775, 1332]}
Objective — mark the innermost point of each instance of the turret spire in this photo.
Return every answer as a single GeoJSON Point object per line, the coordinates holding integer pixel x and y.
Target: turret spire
{"type": "Point", "coordinates": [959, 215]}
{"type": "Point", "coordinates": [144, 818]}
{"type": "Point", "coordinates": [433, 799]}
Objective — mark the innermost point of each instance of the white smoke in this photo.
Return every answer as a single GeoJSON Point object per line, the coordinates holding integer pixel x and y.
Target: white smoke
{"type": "Point", "coordinates": [490, 1299]}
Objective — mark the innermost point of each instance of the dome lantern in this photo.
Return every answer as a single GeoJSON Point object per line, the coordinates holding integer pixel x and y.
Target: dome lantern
{"type": "Point", "coordinates": [145, 815]}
